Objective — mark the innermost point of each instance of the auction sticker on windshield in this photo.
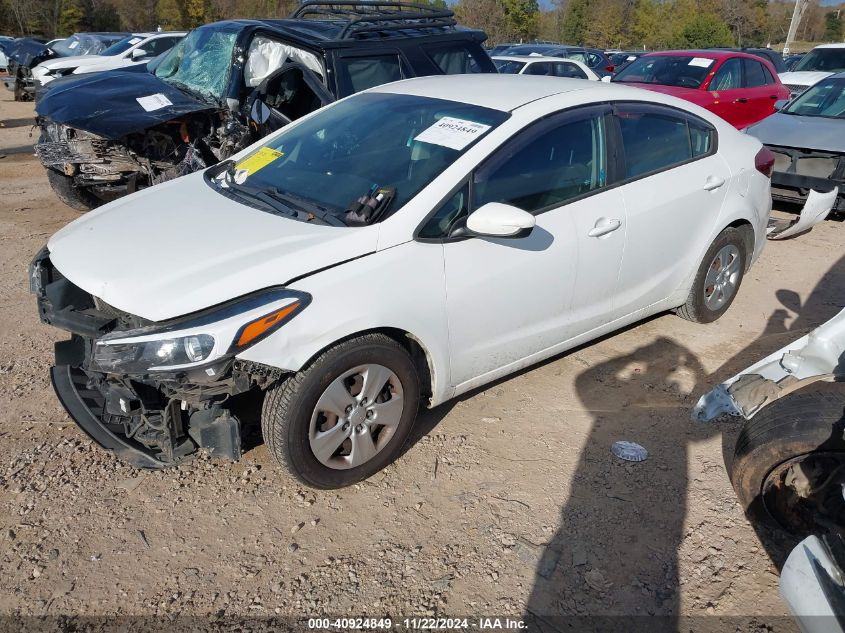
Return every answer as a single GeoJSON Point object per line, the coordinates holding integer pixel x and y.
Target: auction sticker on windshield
{"type": "Point", "coordinates": [153, 102]}
{"type": "Point", "coordinates": [453, 133]}
{"type": "Point", "coordinates": [701, 62]}
{"type": "Point", "coordinates": [258, 160]}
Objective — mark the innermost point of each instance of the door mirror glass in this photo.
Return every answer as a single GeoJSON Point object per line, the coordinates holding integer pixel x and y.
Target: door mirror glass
{"type": "Point", "coordinates": [780, 104]}
{"type": "Point", "coordinates": [139, 53]}
{"type": "Point", "coordinates": [495, 219]}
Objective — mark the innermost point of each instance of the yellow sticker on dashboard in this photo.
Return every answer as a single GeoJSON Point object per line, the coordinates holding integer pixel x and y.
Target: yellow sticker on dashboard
{"type": "Point", "coordinates": [258, 160]}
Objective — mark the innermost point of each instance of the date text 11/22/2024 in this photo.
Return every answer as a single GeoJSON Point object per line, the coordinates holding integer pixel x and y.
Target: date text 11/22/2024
{"type": "Point", "coordinates": [417, 624]}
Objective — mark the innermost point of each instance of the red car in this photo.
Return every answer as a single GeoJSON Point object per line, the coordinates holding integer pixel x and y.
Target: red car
{"type": "Point", "coordinates": [739, 87]}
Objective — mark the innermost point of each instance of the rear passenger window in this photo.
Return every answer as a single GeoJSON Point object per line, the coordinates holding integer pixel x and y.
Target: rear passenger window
{"type": "Point", "coordinates": [565, 69]}
{"type": "Point", "coordinates": [546, 165]}
{"type": "Point", "coordinates": [453, 59]}
{"type": "Point", "coordinates": [538, 68]}
{"type": "Point", "coordinates": [656, 139]}
{"type": "Point", "coordinates": [754, 75]}
{"type": "Point", "coordinates": [366, 72]}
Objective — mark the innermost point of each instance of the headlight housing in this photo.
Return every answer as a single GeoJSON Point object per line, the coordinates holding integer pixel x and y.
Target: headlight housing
{"type": "Point", "coordinates": [199, 340]}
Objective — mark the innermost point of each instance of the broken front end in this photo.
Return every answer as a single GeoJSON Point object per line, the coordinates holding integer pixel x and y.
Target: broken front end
{"type": "Point", "coordinates": [91, 169]}
{"type": "Point", "coordinates": [156, 393]}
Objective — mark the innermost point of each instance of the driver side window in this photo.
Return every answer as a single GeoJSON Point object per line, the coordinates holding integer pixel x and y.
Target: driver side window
{"type": "Point", "coordinates": [547, 165]}
{"type": "Point", "coordinates": [729, 75]}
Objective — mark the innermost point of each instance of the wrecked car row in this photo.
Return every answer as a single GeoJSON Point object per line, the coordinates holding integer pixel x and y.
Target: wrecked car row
{"type": "Point", "coordinates": [228, 84]}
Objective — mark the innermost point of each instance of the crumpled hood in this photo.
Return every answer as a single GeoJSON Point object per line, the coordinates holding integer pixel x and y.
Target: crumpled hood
{"type": "Point", "coordinates": [803, 78]}
{"type": "Point", "coordinates": [180, 247]}
{"type": "Point", "coordinates": [803, 132]}
{"type": "Point", "coordinates": [28, 52]}
{"type": "Point", "coordinates": [106, 103]}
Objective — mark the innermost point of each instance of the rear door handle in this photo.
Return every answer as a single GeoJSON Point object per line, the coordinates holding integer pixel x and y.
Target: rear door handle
{"type": "Point", "coordinates": [603, 227]}
{"type": "Point", "coordinates": [713, 182]}
{"type": "Point", "coordinates": [741, 100]}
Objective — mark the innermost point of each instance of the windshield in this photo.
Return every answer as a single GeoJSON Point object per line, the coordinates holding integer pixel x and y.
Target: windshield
{"type": "Point", "coordinates": [363, 158]}
{"type": "Point", "coordinates": [682, 71]}
{"type": "Point", "coordinates": [830, 60]}
{"type": "Point", "coordinates": [825, 99]}
{"type": "Point", "coordinates": [123, 45]}
{"type": "Point", "coordinates": [200, 62]}
{"type": "Point", "coordinates": [509, 67]}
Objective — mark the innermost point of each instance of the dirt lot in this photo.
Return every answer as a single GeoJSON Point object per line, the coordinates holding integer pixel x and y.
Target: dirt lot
{"type": "Point", "coordinates": [509, 500]}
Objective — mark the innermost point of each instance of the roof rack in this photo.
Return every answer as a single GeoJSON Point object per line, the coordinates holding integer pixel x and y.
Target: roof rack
{"type": "Point", "coordinates": [375, 16]}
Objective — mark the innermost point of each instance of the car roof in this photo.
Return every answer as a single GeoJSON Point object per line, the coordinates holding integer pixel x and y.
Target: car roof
{"type": "Point", "coordinates": [839, 45]}
{"type": "Point", "coordinates": [488, 90]}
{"type": "Point", "coordinates": [531, 58]}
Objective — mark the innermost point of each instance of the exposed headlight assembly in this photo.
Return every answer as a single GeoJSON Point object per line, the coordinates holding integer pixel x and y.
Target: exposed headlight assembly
{"type": "Point", "coordinates": [200, 340]}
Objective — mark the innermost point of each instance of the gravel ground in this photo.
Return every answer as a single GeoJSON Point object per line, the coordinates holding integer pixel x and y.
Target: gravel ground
{"type": "Point", "coordinates": [508, 501]}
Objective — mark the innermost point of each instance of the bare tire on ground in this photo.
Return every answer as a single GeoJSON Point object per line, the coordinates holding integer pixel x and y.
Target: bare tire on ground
{"type": "Point", "coordinates": [789, 461]}
{"type": "Point", "coordinates": [74, 197]}
{"type": "Point", "coordinates": [718, 278]}
{"type": "Point", "coordinates": [346, 415]}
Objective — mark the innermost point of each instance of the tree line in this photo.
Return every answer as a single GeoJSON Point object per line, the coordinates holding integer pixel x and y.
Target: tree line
{"type": "Point", "coordinates": [629, 24]}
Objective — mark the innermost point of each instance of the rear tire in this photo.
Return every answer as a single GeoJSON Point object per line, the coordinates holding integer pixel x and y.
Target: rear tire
{"type": "Point", "coordinates": [296, 419]}
{"type": "Point", "coordinates": [786, 453]}
{"type": "Point", "coordinates": [725, 260]}
{"type": "Point", "coordinates": [72, 196]}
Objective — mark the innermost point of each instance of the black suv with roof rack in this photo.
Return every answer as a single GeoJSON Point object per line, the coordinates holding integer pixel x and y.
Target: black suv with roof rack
{"type": "Point", "coordinates": [227, 84]}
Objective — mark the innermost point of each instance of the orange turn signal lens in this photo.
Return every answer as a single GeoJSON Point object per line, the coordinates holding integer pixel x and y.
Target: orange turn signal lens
{"type": "Point", "coordinates": [253, 330]}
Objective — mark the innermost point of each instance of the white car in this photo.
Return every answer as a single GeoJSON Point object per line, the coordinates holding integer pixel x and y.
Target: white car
{"type": "Point", "coordinates": [539, 65]}
{"type": "Point", "coordinates": [396, 248]}
{"type": "Point", "coordinates": [138, 48]}
{"type": "Point", "coordinates": [820, 63]}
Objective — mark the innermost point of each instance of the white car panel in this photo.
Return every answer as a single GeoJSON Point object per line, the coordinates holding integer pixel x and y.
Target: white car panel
{"type": "Point", "coordinates": [480, 308]}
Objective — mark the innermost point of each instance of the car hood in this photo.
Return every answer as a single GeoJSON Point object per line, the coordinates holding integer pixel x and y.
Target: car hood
{"type": "Point", "coordinates": [69, 62]}
{"type": "Point", "coordinates": [181, 246]}
{"type": "Point", "coordinates": [106, 104]}
{"type": "Point", "coordinates": [688, 94]}
{"type": "Point", "coordinates": [802, 132]}
{"type": "Point", "coordinates": [803, 78]}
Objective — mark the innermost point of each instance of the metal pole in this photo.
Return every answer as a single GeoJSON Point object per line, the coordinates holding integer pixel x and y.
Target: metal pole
{"type": "Point", "coordinates": [797, 14]}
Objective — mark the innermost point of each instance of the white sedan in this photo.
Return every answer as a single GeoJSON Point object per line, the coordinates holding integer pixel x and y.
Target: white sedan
{"type": "Point", "coordinates": [539, 65]}
{"type": "Point", "coordinates": [394, 249]}
{"type": "Point", "coordinates": [138, 48]}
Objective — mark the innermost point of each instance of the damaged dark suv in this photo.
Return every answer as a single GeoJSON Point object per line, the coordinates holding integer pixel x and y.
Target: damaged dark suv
{"type": "Point", "coordinates": [230, 83]}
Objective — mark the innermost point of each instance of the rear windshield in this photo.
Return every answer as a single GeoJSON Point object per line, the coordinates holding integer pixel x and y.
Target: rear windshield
{"type": "Point", "coordinates": [682, 71]}
{"type": "Point", "coordinates": [831, 60]}
{"type": "Point", "coordinates": [825, 99]}
{"type": "Point", "coordinates": [508, 66]}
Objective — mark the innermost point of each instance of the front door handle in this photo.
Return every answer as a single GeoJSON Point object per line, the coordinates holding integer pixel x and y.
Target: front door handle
{"type": "Point", "coordinates": [713, 182]}
{"type": "Point", "coordinates": [603, 227]}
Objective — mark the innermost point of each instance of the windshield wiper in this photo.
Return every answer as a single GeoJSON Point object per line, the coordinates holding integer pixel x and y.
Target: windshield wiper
{"type": "Point", "coordinates": [280, 200]}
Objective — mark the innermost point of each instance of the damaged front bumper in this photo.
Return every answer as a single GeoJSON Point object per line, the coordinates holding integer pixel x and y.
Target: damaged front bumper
{"type": "Point", "coordinates": [818, 356]}
{"type": "Point", "coordinates": [151, 419]}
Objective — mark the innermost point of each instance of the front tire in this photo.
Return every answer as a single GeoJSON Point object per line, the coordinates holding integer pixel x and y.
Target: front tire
{"type": "Point", "coordinates": [789, 461]}
{"type": "Point", "coordinates": [718, 278]}
{"type": "Point", "coordinates": [345, 416]}
{"type": "Point", "coordinates": [72, 196]}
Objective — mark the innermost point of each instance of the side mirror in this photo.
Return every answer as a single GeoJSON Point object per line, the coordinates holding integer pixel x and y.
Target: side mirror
{"type": "Point", "coordinates": [139, 53]}
{"type": "Point", "coordinates": [495, 219]}
{"type": "Point", "coordinates": [780, 104]}
{"type": "Point", "coordinates": [606, 79]}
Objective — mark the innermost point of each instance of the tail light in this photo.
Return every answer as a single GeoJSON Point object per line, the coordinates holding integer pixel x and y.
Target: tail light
{"type": "Point", "coordinates": [764, 161]}
{"type": "Point", "coordinates": [610, 68]}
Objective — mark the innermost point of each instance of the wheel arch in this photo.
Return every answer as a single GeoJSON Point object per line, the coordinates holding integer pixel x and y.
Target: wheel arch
{"type": "Point", "coordinates": [749, 238]}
